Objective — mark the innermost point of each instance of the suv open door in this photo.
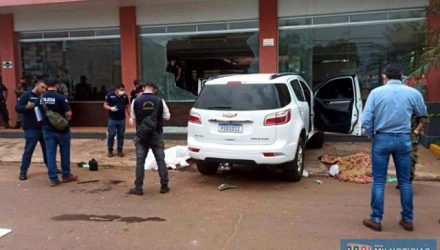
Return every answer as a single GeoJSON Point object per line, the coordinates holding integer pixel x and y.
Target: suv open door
{"type": "Point", "coordinates": [338, 106]}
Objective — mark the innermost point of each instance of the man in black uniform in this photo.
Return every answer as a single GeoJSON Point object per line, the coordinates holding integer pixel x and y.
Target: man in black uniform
{"type": "Point", "coordinates": [28, 105]}
{"type": "Point", "coordinates": [143, 106]}
{"type": "Point", "coordinates": [53, 138]}
{"type": "Point", "coordinates": [116, 103]}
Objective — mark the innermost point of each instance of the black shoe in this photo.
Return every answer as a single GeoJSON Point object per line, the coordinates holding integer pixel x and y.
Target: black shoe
{"type": "Point", "coordinates": [22, 177]}
{"type": "Point", "coordinates": [164, 189]}
{"type": "Point", "coordinates": [135, 191]}
{"type": "Point", "coordinates": [58, 171]}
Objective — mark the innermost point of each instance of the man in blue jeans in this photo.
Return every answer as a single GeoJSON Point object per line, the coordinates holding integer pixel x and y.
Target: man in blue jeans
{"type": "Point", "coordinates": [54, 138]}
{"type": "Point", "coordinates": [28, 105]}
{"type": "Point", "coordinates": [387, 122]}
{"type": "Point", "coordinates": [116, 103]}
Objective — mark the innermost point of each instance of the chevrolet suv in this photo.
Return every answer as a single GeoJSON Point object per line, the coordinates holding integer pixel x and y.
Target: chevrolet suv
{"type": "Point", "coordinates": [268, 119]}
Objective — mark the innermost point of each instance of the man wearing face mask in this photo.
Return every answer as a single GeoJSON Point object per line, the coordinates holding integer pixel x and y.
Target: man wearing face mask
{"type": "Point", "coordinates": [116, 103]}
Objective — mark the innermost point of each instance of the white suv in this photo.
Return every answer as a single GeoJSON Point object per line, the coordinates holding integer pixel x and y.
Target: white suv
{"type": "Point", "coordinates": [268, 119]}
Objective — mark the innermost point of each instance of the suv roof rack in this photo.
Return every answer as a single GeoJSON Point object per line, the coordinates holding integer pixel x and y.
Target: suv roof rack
{"type": "Point", "coordinates": [274, 76]}
{"type": "Point", "coordinates": [219, 76]}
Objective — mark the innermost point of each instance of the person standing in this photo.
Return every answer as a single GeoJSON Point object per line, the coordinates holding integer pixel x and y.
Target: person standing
{"type": "Point", "coordinates": [116, 103]}
{"type": "Point", "coordinates": [54, 138]}
{"type": "Point", "coordinates": [28, 105]}
{"type": "Point", "coordinates": [386, 121]}
{"type": "Point", "coordinates": [3, 109]}
{"type": "Point", "coordinates": [144, 105]}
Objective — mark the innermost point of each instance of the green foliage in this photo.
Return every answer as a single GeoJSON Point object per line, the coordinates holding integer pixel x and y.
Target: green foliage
{"type": "Point", "coordinates": [430, 58]}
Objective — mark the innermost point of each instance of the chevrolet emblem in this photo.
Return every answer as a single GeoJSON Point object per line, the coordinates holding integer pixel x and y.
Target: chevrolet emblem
{"type": "Point", "coordinates": [229, 114]}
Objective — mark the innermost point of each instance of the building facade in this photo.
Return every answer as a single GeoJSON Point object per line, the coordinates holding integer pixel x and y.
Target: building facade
{"type": "Point", "coordinates": [94, 45]}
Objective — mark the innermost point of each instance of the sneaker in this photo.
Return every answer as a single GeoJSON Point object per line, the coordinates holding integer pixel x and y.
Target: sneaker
{"type": "Point", "coordinates": [22, 177]}
{"type": "Point", "coordinates": [164, 189]}
{"type": "Point", "coordinates": [110, 154]}
{"type": "Point", "coordinates": [70, 178]}
{"type": "Point", "coordinates": [55, 183]}
{"type": "Point", "coordinates": [120, 154]}
{"type": "Point", "coordinates": [372, 225]}
{"type": "Point", "coordinates": [135, 191]}
{"type": "Point", "coordinates": [408, 226]}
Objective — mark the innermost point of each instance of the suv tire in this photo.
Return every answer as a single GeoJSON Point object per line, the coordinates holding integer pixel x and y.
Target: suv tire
{"type": "Point", "coordinates": [317, 140]}
{"type": "Point", "coordinates": [293, 170]}
{"type": "Point", "coordinates": [207, 168]}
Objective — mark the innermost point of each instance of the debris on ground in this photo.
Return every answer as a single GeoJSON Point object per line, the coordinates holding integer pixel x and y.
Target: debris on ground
{"type": "Point", "coordinates": [4, 231]}
{"type": "Point", "coordinates": [392, 180]}
{"type": "Point", "coordinates": [354, 168]}
{"type": "Point", "coordinates": [334, 170]}
{"type": "Point", "coordinates": [89, 181]}
{"type": "Point", "coordinates": [318, 182]}
{"type": "Point", "coordinates": [226, 186]}
{"type": "Point", "coordinates": [305, 173]}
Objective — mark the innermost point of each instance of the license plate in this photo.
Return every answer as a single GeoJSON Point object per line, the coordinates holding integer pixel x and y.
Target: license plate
{"type": "Point", "coordinates": [230, 128]}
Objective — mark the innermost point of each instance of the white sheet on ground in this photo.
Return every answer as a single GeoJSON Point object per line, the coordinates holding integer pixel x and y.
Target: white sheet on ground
{"type": "Point", "coordinates": [4, 231]}
{"type": "Point", "coordinates": [174, 157]}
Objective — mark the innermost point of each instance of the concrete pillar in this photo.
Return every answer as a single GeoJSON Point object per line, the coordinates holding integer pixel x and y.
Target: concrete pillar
{"type": "Point", "coordinates": [9, 55]}
{"type": "Point", "coordinates": [129, 46]}
{"type": "Point", "coordinates": [268, 41]}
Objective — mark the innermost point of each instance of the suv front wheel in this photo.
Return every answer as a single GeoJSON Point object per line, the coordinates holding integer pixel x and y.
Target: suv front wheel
{"type": "Point", "coordinates": [207, 168]}
{"type": "Point", "coordinates": [293, 170]}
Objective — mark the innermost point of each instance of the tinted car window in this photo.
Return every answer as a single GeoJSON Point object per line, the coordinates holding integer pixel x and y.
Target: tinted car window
{"type": "Point", "coordinates": [306, 91]}
{"type": "Point", "coordinates": [297, 90]}
{"type": "Point", "coordinates": [243, 97]}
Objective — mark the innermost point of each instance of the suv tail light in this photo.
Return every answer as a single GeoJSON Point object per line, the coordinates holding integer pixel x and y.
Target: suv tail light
{"type": "Point", "coordinates": [194, 118]}
{"type": "Point", "coordinates": [277, 118]}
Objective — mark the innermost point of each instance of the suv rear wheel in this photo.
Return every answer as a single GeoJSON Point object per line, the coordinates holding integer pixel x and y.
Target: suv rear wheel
{"type": "Point", "coordinates": [207, 168]}
{"type": "Point", "coordinates": [293, 170]}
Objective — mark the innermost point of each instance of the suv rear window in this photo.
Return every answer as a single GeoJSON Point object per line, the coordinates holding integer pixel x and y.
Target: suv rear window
{"type": "Point", "coordinates": [243, 97]}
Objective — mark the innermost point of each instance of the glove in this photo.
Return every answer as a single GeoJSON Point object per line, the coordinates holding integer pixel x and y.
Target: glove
{"type": "Point", "coordinates": [114, 108]}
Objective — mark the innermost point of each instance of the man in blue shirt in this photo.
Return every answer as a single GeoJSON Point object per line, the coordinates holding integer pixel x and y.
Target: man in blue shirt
{"type": "Point", "coordinates": [28, 105]}
{"type": "Point", "coordinates": [116, 103]}
{"type": "Point", "coordinates": [387, 122]}
{"type": "Point", "coordinates": [53, 137]}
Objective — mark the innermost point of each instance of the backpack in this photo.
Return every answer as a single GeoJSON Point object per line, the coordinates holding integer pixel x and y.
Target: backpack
{"type": "Point", "coordinates": [58, 121]}
{"type": "Point", "coordinates": [149, 124]}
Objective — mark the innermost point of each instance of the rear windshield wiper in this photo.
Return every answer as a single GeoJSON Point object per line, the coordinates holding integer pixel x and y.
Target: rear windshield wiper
{"type": "Point", "coordinates": [220, 107]}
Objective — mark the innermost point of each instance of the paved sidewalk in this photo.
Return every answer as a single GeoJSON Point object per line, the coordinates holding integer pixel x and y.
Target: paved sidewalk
{"type": "Point", "coordinates": [11, 150]}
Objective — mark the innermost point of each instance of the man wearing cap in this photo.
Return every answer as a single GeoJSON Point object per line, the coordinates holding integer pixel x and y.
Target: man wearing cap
{"type": "Point", "coordinates": [143, 106]}
{"type": "Point", "coordinates": [116, 103]}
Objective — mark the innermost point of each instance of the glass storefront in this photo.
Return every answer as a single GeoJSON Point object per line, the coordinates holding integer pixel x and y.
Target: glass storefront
{"type": "Point", "coordinates": [179, 58]}
{"type": "Point", "coordinates": [89, 67]}
{"type": "Point", "coordinates": [322, 47]}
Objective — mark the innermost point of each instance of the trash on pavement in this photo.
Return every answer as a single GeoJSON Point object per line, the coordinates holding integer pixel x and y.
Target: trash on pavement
{"type": "Point", "coordinates": [93, 165]}
{"type": "Point", "coordinates": [392, 180]}
{"type": "Point", "coordinates": [83, 165]}
{"type": "Point", "coordinates": [4, 231]}
{"type": "Point", "coordinates": [89, 181]}
{"type": "Point", "coordinates": [226, 186]}
{"type": "Point", "coordinates": [334, 170]}
{"type": "Point", "coordinates": [175, 157]}
{"type": "Point", "coordinates": [319, 182]}
{"type": "Point", "coordinates": [305, 173]}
